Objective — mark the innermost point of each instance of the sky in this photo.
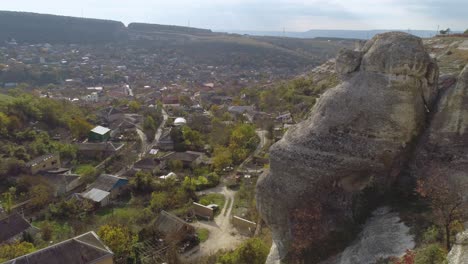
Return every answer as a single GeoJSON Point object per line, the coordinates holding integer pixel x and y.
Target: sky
{"type": "Point", "coordinates": [264, 15]}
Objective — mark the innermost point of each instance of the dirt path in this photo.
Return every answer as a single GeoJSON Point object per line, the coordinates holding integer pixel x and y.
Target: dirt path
{"type": "Point", "coordinates": [222, 234]}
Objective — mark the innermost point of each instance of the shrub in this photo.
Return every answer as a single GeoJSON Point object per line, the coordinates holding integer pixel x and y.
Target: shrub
{"type": "Point", "coordinates": [431, 254]}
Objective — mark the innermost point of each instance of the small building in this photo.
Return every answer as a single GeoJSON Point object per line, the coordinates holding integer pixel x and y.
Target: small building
{"type": "Point", "coordinates": [44, 163]}
{"type": "Point", "coordinates": [12, 228]}
{"type": "Point", "coordinates": [189, 159]}
{"type": "Point", "coordinates": [149, 164]}
{"type": "Point", "coordinates": [165, 142]}
{"type": "Point", "coordinates": [244, 226]}
{"type": "Point", "coordinates": [99, 134]}
{"type": "Point", "coordinates": [99, 197]}
{"type": "Point", "coordinates": [86, 248]}
{"type": "Point", "coordinates": [109, 183]}
{"type": "Point", "coordinates": [99, 150]}
{"type": "Point", "coordinates": [170, 225]}
{"type": "Point", "coordinates": [63, 183]}
{"type": "Point", "coordinates": [203, 211]}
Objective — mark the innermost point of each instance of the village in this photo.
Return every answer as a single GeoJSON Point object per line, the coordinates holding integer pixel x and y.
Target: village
{"type": "Point", "coordinates": [173, 164]}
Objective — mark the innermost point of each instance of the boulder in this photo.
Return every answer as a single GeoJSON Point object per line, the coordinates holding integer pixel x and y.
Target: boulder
{"type": "Point", "coordinates": [353, 144]}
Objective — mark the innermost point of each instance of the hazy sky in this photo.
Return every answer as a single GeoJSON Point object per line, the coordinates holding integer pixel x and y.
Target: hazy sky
{"type": "Point", "coordinates": [267, 15]}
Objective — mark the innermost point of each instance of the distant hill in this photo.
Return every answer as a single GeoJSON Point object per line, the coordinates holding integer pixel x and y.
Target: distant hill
{"type": "Point", "coordinates": [166, 28]}
{"type": "Point", "coordinates": [32, 27]}
{"type": "Point", "coordinates": [325, 33]}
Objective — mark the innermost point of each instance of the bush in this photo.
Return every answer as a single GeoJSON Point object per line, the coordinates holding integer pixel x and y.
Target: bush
{"type": "Point", "coordinates": [431, 235]}
{"type": "Point", "coordinates": [431, 254]}
{"type": "Point", "coordinates": [252, 251]}
{"type": "Point", "coordinates": [203, 234]}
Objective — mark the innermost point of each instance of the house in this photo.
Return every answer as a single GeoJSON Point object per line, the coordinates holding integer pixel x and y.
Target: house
{"type": "Point", "coordinates": [170, 225]}
{"type": "Point", "coordinates": [149, 164]}
{"type": "Point", "coordinates": [83, 249]}
{"type": "Point", "coordinates": [109, 183]}
{"type": "Point", "coordinates": [99, 150]}
{"type": "Point", "coordinates": [99, 134]}
{"type": "Point", "coordinates": [63, 183]}
{"type": "Point", "coordinates": [43, 163]}
{"type": "Point", "coordinates": [165, 142]}
{"type": "Point", "coordinates": [189, 159]}
{"type": "Point", "coordinates": [13, 226]}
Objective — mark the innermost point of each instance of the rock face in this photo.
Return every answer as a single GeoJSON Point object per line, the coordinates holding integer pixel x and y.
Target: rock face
{"type": "Point", "coordinates": [459, 252]}
{"type": "Point", "coordinates": [444, 147]}
{"type": "Point", "coordinates": [354, 142]}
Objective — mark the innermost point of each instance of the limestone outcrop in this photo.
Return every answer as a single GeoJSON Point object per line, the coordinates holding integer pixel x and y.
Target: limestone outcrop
{"type": "Point", "coordinates": [459, 252]}
{"type": "Point", "coordinates": [352, 146]}
{"type": "Point", "coordinates": [444, 146]}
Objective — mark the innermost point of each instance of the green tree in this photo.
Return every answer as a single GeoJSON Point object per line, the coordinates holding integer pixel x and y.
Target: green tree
{"type": "Point", "coordinates": [87, 172]}
{"type": "Point", "coordinates": [134, 106]}
{"type": "Point", "coordinates": [222, 158]}
{"type": "Point", "coordinates": [79, 127]}
{"type": "Point", "coordinates": [118, 239]}
{"type": "Point", "coordinates": [11, 251]}
{"type": "Point", "coordinates": [252, 251]}
{"type": "Point", "coordinates": [159, 201]}
{"type": "Point", "coordinates": [431, 254]}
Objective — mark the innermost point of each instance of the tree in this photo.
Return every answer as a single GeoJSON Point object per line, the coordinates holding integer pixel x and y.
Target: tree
{"type": "Point", "coordinates": [118, 239]}
{"type": "Point", "coordinates": [79, 127]}
{"type": "Point", "coordinates": [149, 126]}
{"type": "Point", "coordinates": [134, 106]}
{"type": "Point", "coordinates": [466, 32]}
{"type": "Point", "coordinates": [222, 158]}
{"type": "Point", "coordinates": [159, 201]}
{"type": "Point", "coordinates": [176, 165]}
{"type": "Point", "coordinates": [88, 173]}
{"type": "Point", "coordinates": [11, 251]}
{"type": "Point", "coordinates": [40, 195]}
{"type": "Point", "coordinates": [252, 251]}
{"type": "Point", "coordinates": [446, 199]}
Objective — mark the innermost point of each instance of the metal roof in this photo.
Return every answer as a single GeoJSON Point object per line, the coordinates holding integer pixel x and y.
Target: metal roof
{"type": "Point", "coordinates": [96, 195]}
{"type": "Point", "coordinates": [100, 130]}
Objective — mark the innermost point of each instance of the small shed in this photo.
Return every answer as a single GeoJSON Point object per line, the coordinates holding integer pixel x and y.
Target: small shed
{"type": "Point", "coordinates": [98, 196]}
{"type": "Point", "coordinates": [99, 134]}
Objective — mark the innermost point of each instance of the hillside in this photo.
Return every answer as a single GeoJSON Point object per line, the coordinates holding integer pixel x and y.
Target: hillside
{"type": "Point", "coordinates": [36, 28]}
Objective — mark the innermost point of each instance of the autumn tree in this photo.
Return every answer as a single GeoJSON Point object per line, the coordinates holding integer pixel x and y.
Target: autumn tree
{"type": "Point", "coordinates": [118, 239]}
{"type": "Point", "coordinates": [445, 196]}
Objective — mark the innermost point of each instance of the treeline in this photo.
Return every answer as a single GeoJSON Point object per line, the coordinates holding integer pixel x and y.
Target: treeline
{"type": "Point", "coordinates": [32, 27]}
{"type": "Point", "coordinates": [166, 28]}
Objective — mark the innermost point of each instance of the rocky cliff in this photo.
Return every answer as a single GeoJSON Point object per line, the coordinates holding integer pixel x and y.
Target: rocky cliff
{"type": "Point", "coordinates": [326, 171]}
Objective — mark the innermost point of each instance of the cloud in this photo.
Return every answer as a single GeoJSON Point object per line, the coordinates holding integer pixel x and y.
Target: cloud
{"type": "Point", "coordinates": [295, 15]}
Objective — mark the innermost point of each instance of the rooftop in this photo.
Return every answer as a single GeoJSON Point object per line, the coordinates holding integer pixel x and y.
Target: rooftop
{"type": "Point", "coordinates": [96, 195]}
{"type": "Point", "coordinates": [83, 249]}
{"type": "Point", "coordinates": [11, 226]}
{"type": "Point", "coordinates": [100, 130]}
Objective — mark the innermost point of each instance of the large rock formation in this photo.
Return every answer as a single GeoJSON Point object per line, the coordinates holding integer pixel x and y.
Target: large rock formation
{"type": "Point", "coordinates": [353, 144]}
